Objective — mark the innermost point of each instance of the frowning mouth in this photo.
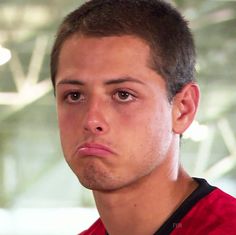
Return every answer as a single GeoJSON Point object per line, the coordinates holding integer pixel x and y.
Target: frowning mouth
{"type": "Point", "coordinates": [94, 149]}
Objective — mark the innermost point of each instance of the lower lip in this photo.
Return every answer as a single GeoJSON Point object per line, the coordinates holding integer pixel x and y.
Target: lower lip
{"type": "Point", "coordinates": [86, 151]}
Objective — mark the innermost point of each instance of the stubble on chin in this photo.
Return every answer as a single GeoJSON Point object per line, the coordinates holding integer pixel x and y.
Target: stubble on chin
{"type": "Point", "coordinates": [97, 178]}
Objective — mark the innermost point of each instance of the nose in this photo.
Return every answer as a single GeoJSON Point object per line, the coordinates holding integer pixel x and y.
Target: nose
{"type": "Point", "coordinates": [95, 119]}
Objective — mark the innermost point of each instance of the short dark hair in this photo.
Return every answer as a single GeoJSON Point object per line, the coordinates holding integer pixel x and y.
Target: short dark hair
{"type": "Point", "coordinates": [156, 22]}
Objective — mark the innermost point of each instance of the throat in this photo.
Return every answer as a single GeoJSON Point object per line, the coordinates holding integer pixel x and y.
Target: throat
{"type": "Point", "coordinates": [144, 211]}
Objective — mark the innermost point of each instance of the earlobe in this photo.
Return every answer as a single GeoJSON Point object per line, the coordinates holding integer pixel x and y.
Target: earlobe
{"type": "Point", "coordinates": [185, 105]}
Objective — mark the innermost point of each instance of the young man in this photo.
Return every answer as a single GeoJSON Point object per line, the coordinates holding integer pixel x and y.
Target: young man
{"type": "Point", "coordinates": [123, 75]}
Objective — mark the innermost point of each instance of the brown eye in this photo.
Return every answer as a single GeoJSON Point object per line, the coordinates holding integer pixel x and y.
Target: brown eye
{"type": "Point", "coordinates": [123, 96]}
{"type": "Point", "coordinates": [74, 97]}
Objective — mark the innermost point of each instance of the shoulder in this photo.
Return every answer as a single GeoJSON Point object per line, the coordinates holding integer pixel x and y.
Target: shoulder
{"type": "Point", "coordinates": [222, 204]}
{"type": "Point", "coordinates": [214, 214]}
{"type": "Point", "coordinates": [212, 199]}
{"type": "Point", "coordinates": [96, 228]}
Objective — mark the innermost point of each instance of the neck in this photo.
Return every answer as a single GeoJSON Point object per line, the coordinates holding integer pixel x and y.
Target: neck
{"type": "Point", "coordinates": [143, 207]}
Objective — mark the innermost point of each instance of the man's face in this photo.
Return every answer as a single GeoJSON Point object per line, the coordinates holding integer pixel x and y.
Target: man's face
{"type": "Point", "coordinates": [114, 116]}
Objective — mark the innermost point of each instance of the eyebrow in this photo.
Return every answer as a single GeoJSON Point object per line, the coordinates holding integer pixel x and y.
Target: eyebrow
{"type": "Point", "coordinates": [122, 80]}
{"type": "Point", "coordinates": [108, 82]}
{"type": "Point", "coordinates": [71, 82]}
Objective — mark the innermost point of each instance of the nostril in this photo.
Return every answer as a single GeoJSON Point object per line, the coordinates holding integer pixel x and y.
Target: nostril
{"type": "Point", "coordinates": [99, 129]}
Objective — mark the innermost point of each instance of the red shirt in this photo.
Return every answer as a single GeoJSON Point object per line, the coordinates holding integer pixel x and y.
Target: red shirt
{"type": "Point", "coordinates": [215, 214]}
{"type": "Point", "coordinates": [96, 229]}
{"type": "Point", "coordinates": [207, 211]}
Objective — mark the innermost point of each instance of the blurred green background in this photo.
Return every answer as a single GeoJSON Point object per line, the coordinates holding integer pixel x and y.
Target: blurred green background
{"type": "Point", "coordinates": [35, 181]}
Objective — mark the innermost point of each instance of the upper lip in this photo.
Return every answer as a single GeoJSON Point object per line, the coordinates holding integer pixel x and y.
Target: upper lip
{"type": "Point", "coordinates": [96, 146]}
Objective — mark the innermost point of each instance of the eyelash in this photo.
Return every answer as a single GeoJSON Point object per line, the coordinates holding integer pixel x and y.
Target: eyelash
{"type": "Point", "coordinates": [68, 97]}
{"type": "Point", "coordinates": [131, 97]}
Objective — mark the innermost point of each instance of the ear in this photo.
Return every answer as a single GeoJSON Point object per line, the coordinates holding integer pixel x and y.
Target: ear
{"type": "Point", "coordinates": [185, 104]}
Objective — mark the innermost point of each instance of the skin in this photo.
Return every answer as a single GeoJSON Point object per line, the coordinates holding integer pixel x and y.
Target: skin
{"type": "Point", "coordinates": [108, 94]}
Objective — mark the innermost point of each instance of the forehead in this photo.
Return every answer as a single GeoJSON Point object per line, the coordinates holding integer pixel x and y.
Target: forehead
{"type": "Point", "coordinates": [85, 45]}
{"type": "Point", "coordinates": [94, 61]}
{"type": "Point", "coordinates": [118, 53]}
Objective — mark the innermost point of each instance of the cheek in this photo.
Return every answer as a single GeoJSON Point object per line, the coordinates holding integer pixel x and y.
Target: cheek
{"type": "Point", "coordinates": [160, 126]}
{"type": "Point", "coordinates": [69, 125]}
{"type": "Point", "coordinates": [147, 119]}
{"type": "Point", "coordinates": [145, 141]}
{"type": "Point", "coordinates": [148, 129]}
{"type": "Point", "coordinates": [64, 122]}
{"type": "Point", "coordinates": [68, 118]}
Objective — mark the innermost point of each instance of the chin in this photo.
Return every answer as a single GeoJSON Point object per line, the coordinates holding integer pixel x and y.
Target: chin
{"type": "Point", "coordinates": [102, 183]}
{"type": "Point", "coordinates": [96, 186]}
